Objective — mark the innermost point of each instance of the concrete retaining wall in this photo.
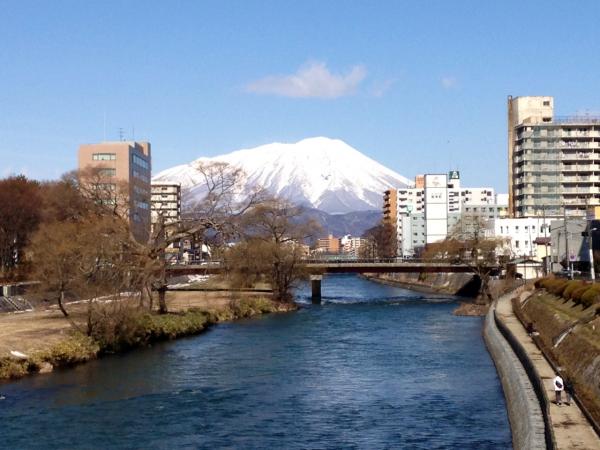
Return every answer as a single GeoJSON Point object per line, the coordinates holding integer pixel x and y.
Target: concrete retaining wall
{"type": "Point", "coordinates": [524, 411]}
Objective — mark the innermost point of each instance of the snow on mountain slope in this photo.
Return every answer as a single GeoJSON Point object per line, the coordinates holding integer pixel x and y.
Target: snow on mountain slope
{"type": "Point", "coordinates": [319, 172]}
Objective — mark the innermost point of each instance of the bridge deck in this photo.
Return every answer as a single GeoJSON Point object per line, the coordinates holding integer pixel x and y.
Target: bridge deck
{"type": "Point", "coordinates": [340, 267]}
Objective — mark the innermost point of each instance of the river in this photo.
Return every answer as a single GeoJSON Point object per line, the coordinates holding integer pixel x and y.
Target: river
{"type": "Point", "coordinates": [374, 367]}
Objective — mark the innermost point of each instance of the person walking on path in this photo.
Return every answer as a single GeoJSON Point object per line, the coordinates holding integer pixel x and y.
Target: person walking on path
{"type": "Point", "coordinates": [559, 386]}
{"type": "Point", "coordinates": [568, 391]}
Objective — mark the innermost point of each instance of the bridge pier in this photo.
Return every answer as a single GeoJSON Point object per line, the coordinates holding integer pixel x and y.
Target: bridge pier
{"type": "Point", "coordinates": [315, 282]}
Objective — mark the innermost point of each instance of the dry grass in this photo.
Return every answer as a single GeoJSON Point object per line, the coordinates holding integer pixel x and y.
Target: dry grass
{"type": "Point", "coordinates": [48, 337]}
{"type": "Point", "coordinates": [579, 353]}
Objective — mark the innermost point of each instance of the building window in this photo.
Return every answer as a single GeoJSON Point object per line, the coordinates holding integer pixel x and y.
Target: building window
{"type": "Point", "coordinates": [141, 176]}
{"type": "Point", "coordinates": [141, 162]}
{"type": "Point", "coordinates": [546, 102]}
{"type": "Point", "coordinates": [107, 172]}
{"type": "Point", "coordinates": [104, 156]}
{"type": "Point", "coordinates": [106, 187]}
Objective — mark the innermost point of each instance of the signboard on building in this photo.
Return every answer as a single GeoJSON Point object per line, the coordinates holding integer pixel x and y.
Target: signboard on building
{"type": "Point", "coordinates": [454, 175]}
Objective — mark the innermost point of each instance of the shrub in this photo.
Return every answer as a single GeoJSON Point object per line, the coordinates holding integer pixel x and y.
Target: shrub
{"type": "Point", "coordinates": [590, 296]}
{"type": "Point", "coordinates": [576, 295]}
{"type": "Point", "coordinates": [558, 286]}
{"type": "Point", "coordinates": [571, 287]}
{"type": "Point", "coordinates": [546, 282]}
{"type": "Point", "coordinates": [77, 348]}
{"type": "Point", "coordinates": [12, 368]}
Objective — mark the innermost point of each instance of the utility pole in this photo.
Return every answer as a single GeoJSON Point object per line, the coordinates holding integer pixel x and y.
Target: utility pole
{"type": "Point", "coordinates": [591, 246]}
{"type": "Point", "coordinates": [546, 257]}
{"type": "Point", "coordinates": [567, 255]}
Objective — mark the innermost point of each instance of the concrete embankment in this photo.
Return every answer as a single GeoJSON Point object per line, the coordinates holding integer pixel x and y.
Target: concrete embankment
{"type": "Point", "coordinates": [524, 410]}
{"type": "Point", "coordinates": [441, 283]}
{"type": "Point", "coordinates": [571, 429]}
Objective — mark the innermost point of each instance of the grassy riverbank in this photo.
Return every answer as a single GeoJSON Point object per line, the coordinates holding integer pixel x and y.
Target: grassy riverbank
{"type": "Point", "coordinates": [48, 340]}
{"type": "Point", "coordinates": [578, 352]}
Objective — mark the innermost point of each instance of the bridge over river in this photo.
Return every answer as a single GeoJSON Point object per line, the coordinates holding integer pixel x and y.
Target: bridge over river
{"type": "Point", "coordinates": [319, 267]}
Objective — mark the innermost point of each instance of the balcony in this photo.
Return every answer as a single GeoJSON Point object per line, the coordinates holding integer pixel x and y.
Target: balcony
{"type": "Point", "coordinates": [580, 168]}
{"type": "Point", "coordinates": [581, 190]}
{"type": "Point", "coordinates": [574, 179]}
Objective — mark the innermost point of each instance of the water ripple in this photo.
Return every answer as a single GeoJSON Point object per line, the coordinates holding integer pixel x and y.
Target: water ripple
{"type": "Point", "coordinates": [374, 367]}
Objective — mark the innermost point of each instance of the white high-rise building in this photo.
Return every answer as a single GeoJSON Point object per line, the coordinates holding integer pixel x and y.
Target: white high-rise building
{"type": "Point", "coordinates": [436, 207]}
{"type": "Point", "coordinates": [427, 212]}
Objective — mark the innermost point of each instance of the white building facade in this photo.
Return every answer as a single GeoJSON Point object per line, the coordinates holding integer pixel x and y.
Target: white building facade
{"type": "Point", "coordinates": [521, 234]}
{"type": "Point", "coordinates": [427, 212]}
{"type": "Point", "coordinates": [165, 202]}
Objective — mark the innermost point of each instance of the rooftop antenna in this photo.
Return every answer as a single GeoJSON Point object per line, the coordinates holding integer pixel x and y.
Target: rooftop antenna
{"type": "Point", "coordinates": [121, 134]}
{"type": "Point", "coordinates": [133, 132]}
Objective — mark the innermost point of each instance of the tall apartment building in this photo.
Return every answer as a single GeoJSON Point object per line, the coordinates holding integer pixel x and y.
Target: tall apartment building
{"type": "Point", "coordinates": [165, 202]}
{"type": "Point", "coordinates": [124, 168]}
{"type": "Point", "coordinates": [554, 162]}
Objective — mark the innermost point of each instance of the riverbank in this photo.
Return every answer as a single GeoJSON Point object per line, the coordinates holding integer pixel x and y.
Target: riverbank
{"type": "Point", "coordinates": [525, 412]}
{"type": "Point", "coordinates": [341, 375]}
{"type": "Point", "coordinates": [432, 283]}
{"type": "Point", "coordinates": [569, 334]}
{"type": "Point", "coordinates": [456, 284]}
{"type": "Point", "coordinates": [39, 341]}
{"type": "Point", "coordinates": [567, 424]}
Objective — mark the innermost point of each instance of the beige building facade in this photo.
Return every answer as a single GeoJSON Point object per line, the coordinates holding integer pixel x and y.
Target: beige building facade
{"type": "Point", "coordinates": [554, 162]}
{"type": "Point", "coordinates": [125, 168]}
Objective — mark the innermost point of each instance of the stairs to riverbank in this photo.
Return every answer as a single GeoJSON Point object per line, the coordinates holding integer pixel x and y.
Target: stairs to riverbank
{"type": "Point", "coordinates": [14, 303]}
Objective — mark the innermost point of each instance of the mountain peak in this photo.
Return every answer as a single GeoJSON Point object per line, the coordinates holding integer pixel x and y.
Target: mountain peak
{"type": "Point", "coordinates": [319, 172]}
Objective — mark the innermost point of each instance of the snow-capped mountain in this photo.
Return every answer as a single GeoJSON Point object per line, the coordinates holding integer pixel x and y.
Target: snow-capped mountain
{"type": "Point", "coordinates": [319, 172]}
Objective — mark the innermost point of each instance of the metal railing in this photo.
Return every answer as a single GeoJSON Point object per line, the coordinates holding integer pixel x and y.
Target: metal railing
{"type": "Point", "coordinates": [341, 260]}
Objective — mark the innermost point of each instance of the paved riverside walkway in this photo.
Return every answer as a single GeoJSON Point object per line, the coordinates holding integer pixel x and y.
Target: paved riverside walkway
{"type": "Point", "coordinates": [571, 428]}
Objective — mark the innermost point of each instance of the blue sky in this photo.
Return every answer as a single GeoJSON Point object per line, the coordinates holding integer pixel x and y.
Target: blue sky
{"type": "Point", "coordinates": [418, 86]}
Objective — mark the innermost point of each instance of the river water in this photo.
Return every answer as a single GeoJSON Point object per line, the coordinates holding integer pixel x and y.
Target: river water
{"type": "Point", "coordinates": [373, 367]}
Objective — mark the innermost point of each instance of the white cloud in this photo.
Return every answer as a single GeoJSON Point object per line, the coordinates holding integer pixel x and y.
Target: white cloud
{"type": "Point", "coordinates": [312, 80]}
{"type": "Point", "coordinates": [449, 82]}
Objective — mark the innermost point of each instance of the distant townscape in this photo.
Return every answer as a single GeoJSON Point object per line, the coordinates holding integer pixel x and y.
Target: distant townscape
{"type": "Point", "coordinates": [554, 170]}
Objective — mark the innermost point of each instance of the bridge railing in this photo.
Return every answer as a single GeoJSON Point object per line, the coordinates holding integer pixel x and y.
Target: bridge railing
{"type": "Point", "coordinates": [325, 261]}
{"type": "Point", "coordinates": [351, 261]}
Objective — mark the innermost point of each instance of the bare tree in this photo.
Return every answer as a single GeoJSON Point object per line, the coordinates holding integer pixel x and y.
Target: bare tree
{"type": "Point", "coordinates": [85, 258]}
{"type": "Point", "coordinates": [470, 242]}
{"type": "Point", "coordinates": [381, 242]}
{"type": "Point", "coordinates": [272, 247]}
{"type": "Point", "coordinates": [215, 219]}
{"type": "Point", "coordinates": [19, 216]}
